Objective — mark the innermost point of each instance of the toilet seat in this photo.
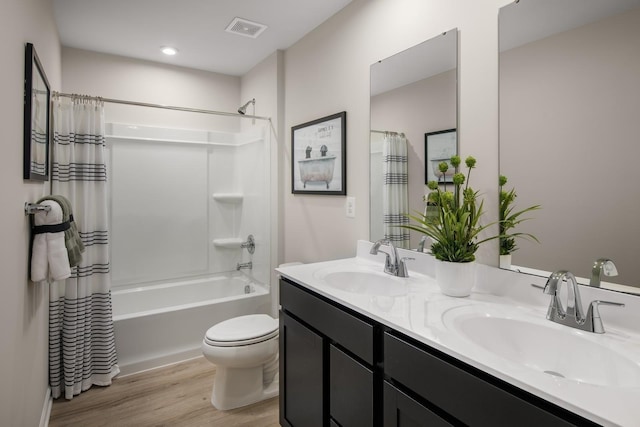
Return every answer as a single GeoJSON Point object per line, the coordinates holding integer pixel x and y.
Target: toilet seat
{"type": "Point", "coordinates": [242, 330]}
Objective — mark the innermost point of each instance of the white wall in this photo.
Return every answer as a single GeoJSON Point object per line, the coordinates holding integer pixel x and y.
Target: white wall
{"type": "Point", "coordinates": [328, 71]}
{"type": "Point", "coordinates": [24, 305]}
{"type": "Point", "coordinates": [111, 76]}
{"type": "Point", "coordinates": [265, 83]}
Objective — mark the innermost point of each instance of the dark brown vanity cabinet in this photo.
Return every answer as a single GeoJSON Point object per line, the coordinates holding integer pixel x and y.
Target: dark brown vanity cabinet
{"type": "Point", "coordinates": [326, 363]}
{"type": "Point", "coordinates": [454, 393]}
{"type": "Point", "coordinates": [339, 368]}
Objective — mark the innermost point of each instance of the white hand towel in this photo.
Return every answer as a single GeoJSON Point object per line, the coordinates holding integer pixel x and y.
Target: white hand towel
{"type": "Point", "coordinates": [49, 252]}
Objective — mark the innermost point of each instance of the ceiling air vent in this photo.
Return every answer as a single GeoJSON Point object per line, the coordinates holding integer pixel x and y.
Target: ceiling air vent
{"type": "Point", "coordinates": [245, 28]}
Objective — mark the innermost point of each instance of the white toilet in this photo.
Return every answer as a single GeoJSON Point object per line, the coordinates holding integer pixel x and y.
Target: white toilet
{"type": "Point", "coordinates": [245, 352]}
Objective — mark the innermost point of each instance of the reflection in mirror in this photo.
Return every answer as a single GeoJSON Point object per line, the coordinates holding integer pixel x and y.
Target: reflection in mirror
{"type": "Point", "coordinates": [412, 93]}
{"type": "Point", "coordinates": [569, 103]}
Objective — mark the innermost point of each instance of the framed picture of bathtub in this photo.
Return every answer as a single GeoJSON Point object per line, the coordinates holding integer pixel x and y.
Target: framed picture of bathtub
{"type": "Point", "coordinates": [318, 156]}
{"type": "Point", "coordinates": [36, 118]}
{"type": "Point", "coordinates": [439, 147]}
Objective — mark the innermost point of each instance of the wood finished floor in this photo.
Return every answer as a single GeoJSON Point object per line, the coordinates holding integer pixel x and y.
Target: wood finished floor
{"type": "Point", "coordinates": [177, 395]}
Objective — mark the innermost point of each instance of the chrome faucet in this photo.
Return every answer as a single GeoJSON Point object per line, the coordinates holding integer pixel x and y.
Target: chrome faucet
{"type": "Point", "coordinates": [396, 267]}
{"type": "Point", "coordinates": [573, 316]}
{"type": "Point", "coordinates": [602, 265]}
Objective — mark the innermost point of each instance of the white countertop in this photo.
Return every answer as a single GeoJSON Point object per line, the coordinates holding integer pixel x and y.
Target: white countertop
{"type": "Point", "coordinates": [418, 310]}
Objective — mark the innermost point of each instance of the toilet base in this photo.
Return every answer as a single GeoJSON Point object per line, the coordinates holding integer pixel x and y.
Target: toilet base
{"type": "Point", "coordinates": [233, 388]}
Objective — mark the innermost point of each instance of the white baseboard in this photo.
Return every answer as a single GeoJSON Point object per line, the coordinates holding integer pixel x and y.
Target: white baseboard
{"type": "Point", "coordinates": [46, 408]}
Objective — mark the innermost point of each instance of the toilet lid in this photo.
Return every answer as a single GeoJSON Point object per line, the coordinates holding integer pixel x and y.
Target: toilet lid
{"type": "Point", "coordinates": [242, 330]}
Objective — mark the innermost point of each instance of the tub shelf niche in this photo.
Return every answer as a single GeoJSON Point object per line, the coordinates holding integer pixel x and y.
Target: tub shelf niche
{"type": "Point", "coordinates": [234, 198]}
{"type": "Point", "coordinates": [228, 243]}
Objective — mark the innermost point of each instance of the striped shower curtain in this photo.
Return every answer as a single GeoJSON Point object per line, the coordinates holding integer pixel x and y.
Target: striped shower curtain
{"type": "Point", "coordinates": [81, 338]}
{"type": "Point", "coordinates": [395, 199]}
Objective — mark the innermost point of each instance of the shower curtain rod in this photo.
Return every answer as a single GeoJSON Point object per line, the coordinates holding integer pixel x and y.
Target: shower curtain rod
{"type": "Point", "coordinates": [387, 131]}
{"type": "Point", "coordinates": [164, 107]}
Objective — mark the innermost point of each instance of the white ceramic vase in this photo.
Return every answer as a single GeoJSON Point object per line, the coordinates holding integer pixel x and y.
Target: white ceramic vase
{"type": "Point", "coordinates": [505, 261]}
{"type": "Point", "coordinates": [456, 279]}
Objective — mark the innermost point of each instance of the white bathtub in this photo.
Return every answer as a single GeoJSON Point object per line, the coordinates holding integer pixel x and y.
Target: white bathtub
{"type": "Point", "coordinates": [161, 324]}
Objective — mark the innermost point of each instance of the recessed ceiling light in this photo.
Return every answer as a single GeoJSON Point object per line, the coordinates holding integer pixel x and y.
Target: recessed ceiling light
{"type": "Point", "coordinates": [167, 50]}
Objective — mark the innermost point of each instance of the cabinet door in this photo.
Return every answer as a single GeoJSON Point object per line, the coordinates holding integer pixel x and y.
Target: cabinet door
{"type": "Point", "coordinates": [301, 373]}
{"type": "Point", "coordinates": [350, 390]}
{"type": "Point", "coordinates": [402, 411]}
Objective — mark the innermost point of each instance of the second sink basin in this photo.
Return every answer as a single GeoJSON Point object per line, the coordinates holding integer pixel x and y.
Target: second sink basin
{"type": "Point", "coordinates": [543, 346]}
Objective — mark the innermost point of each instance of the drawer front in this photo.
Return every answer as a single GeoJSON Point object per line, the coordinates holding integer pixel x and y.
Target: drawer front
{"type": "Point", "coordinates": [459, 393]}
{"type": "Point", "coordinates": [349, 331]}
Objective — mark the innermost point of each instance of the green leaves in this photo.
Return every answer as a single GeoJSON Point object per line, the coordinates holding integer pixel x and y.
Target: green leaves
{"type": "Point", "coordinates": [452, 220]}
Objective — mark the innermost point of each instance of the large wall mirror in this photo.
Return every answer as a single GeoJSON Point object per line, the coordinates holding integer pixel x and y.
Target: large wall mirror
{"type": "Point", "coordinates": [412, 93]}
{"type": "Point", "coordinates": [570, 132]}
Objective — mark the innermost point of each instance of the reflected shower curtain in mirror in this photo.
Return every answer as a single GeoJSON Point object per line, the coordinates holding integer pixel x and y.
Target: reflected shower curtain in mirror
{"type": "Point", "coordinates": [81, 337]}
{"type": "Point", "coordinates": [395, 199]}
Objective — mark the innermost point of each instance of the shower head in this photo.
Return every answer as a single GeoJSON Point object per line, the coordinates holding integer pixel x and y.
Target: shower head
{"type": "Point", "coordinates": [243, 110]}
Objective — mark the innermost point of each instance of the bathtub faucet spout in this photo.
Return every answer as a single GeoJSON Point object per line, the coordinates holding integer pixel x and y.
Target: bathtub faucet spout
{"type": "Point", "coordinates": [243, 265]}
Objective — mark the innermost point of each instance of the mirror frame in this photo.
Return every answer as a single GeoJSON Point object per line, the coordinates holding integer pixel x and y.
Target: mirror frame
{"type": "Point", "coordinates": [34, 77]}
{"type": "Point", "coordinates": [442, 138]}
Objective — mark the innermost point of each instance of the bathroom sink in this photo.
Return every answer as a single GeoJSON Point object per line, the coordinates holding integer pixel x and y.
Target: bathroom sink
{"type": "Point", "coordinates": [543, 346]}
{"type": "Point", "coordinates": [366, 282]}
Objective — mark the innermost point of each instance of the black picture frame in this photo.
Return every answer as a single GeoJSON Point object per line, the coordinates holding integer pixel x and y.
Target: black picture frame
{"type": "Point", "coordinates": [319, 156]}
{"type": "Point", "coordinates": [439, 146]}
{"type": "Point", "coordinates": [37, 133]}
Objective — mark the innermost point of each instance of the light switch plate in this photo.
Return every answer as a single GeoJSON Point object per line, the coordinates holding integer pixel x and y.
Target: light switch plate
{"type": "Point", "coordinates": [351, 207]}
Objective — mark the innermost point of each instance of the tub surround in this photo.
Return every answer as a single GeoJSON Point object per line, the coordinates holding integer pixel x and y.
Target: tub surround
{"type": "Point", "coordinates": [417, 308]}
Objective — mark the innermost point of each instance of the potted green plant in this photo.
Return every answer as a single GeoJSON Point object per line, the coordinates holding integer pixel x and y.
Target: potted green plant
{"type": "Point", "coordinates": [509, 218]}
{"type": "Point", "coordinates": [454, 228]}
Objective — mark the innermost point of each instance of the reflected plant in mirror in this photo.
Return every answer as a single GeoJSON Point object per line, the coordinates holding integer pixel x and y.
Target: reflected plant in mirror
{"type": "Point", "coordinates": [509, 219]}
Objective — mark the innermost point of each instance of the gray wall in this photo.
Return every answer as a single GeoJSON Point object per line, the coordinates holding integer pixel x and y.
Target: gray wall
{"type": "Point", "coordinates": [328, 71]}
{"type": "Point", "coordinates": [24, 305]}
{"type": "Point", "coordinates": [112, 76]}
